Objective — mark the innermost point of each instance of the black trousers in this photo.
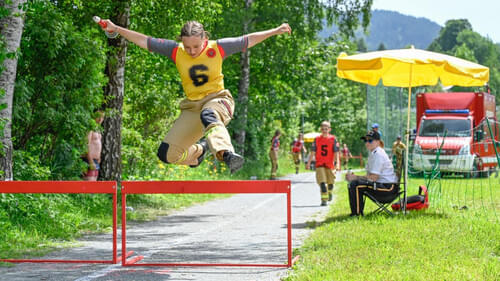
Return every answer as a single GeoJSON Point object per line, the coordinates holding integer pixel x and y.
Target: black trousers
{"type": "Point", "coordinates": [381, 191]}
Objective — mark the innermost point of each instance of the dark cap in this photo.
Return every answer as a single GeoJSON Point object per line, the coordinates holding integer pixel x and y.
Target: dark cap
{"type": "Point", "coordinates": [398, 137]}
{"type": "Point", "coordinates": [371, 135]}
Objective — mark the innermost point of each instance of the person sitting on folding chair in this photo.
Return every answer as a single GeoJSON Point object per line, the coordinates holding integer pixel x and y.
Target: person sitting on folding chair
{"type": "Point", "coordinates": [380, 180]}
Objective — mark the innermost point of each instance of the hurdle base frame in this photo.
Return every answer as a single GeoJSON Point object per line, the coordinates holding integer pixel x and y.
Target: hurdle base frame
{"type": "Point", "coordinates": [207, 187]}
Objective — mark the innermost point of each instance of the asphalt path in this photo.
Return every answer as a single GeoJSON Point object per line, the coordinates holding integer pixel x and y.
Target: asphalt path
{"type": "Point", "coordinates": [242, 229]}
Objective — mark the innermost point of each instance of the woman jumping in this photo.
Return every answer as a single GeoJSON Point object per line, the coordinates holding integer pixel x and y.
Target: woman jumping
{"type": "Point", "coordinates": [208, 106]}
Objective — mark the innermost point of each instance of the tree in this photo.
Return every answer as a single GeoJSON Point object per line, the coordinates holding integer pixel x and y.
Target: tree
{"type": "Point", "coordinates": [113, 96]}
{"type": "Point", "coordinates": [11, 29]}
{"type": "Point", "coordinates": [361, 45]}
{"type": "Point", "coordinates": [244, 83]}
{"type": "Point", "coordinates": [448, 35]}
{"type": "Point", "coordinates": [458, 39]}
{"type": "Point", "coordinates": [381, 47]}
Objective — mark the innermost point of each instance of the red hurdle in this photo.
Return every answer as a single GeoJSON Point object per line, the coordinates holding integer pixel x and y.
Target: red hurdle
{"type": "Point", "coordinates": [99, 187]}
{"type": "Point", "coordinates": [199, 187]}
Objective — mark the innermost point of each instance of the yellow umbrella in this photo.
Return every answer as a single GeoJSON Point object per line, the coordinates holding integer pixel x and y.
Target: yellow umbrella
{"type": "Point", "coordinates": [309, 137]}
{"type": "Point", "coordinates": [410, 68]}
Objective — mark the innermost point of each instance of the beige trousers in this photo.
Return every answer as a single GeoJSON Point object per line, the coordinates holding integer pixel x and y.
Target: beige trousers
{"type": "Point", "coordinates": [273, 154]}
{"type": "Point", "coordinates": [325, 175]}
{"type": "Point", "coordinates": [296, 159]}
{"type": "Point", "coordinates": [188, 128]}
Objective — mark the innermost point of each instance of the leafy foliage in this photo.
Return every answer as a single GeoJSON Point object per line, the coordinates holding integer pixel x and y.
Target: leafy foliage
{"type": "Point", "coordinates": [29, 219]}
{"type": "Point", "coordinates": [57, 90]}
{"type": "Point", "coordinates": [447, 39]}
{"type": "Point", "coordinates": [458, 39]}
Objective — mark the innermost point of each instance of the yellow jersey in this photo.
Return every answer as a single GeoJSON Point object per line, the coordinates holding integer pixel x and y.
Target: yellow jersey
{"type": "Point", "coordinates": [202, 75]}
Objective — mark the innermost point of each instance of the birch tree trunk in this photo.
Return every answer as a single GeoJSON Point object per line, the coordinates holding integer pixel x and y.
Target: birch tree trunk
{"type": "Point", "coordinates": [113, 95]}
{"type": "Point", "coordinates": [244, 84]}
{"type": "Point", "coordinates": [11, 29]}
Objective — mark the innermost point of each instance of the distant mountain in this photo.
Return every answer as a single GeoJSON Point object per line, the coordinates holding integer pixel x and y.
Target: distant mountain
{"type": "Point", "coordinates": [395, 31]}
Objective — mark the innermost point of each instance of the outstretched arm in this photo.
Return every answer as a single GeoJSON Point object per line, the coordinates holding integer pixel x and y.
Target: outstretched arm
{"type": "Point", "coordinates": [257, 37]}
{"type": "Point", "coordinates": [137, 38]}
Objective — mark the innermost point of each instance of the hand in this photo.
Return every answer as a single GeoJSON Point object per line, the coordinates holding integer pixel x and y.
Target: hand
{"type": "Point", "coordinates": [350, 176]}
{"type": "Point", "coordinates": [110, 26]}
{"type": "Point", "coordinates": [308, 167]}
{"type": "Point", "coordinates": [284, 28]}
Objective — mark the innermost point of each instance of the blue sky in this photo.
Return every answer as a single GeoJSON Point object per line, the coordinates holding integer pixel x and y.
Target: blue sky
{"type": "Point", "coordinates": [484, 15]}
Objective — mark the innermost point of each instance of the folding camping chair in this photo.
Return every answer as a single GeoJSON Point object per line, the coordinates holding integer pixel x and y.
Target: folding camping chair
{"type": "Point", "coordinates": [384, 203]}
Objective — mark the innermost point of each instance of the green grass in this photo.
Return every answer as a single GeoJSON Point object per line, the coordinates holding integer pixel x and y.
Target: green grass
{"type": "Point", "coordinates": [441, 243]}
{"type": "Point", "coordinates": [34, 224]}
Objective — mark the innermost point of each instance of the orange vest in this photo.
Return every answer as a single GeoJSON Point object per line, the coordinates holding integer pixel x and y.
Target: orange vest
{"type": "Point", "coordinates": [297, 146]}
{"type": "Point", "coordinates": [325, 151]}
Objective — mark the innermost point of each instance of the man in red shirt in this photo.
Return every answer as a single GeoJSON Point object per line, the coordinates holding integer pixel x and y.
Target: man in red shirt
{"type": "Point", "coordinates": [326, 150]}
{"type": "Point", "coordinates": [297, 148]}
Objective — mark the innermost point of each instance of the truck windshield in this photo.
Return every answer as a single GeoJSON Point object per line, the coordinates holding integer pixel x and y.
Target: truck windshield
{"type": "Point", "coordinates": [437, 127]}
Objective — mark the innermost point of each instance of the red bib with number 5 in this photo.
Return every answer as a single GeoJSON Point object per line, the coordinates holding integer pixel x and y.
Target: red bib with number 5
{"type": "Point", "coordinates": [201, 75]}
{"type": "Point", "coordinates": [325, 151]}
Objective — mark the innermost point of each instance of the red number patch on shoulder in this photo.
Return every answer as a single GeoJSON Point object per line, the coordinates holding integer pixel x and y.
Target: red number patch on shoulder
{"type": "Point", "coordinates": [211, 53]}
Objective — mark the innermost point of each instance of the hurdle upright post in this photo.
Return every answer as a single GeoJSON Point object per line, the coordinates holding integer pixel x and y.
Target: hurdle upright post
{"type": "Point", "coordinates": [289, 224]}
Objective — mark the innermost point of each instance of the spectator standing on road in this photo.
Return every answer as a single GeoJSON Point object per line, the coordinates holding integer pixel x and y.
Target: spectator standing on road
{"type": "Point", "coordinates": [379, 180]}
{"type": "Point", "coordinates": [273, 153]}
{"type": "Point", "coordinates": [325, 148]}
{"type": "Point", "coordinates": [208, 106]}
{"type": "Point", "coordinates": [297, 149]}
{"type": "Point", "coordinates": [94, 148]}
{"type": "Point", "coordinates": [346, 154]}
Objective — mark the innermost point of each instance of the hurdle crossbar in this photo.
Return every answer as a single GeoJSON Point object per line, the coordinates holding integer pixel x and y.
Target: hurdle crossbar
{"type": "Point", "coordinates": [96, 187]}
{"type": "Point", "coordinates": [205, 187]}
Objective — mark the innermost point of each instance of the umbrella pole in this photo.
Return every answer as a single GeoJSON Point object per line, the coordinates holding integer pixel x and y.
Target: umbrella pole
{"type": "Point", "coordinates": [407, 149]}
{"type": "Point", "coordinates": [407, 140]}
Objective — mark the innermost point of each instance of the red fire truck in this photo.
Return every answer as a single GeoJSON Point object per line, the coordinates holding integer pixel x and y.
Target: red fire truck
{"type": "Point", "coordinates": [455, 126]}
